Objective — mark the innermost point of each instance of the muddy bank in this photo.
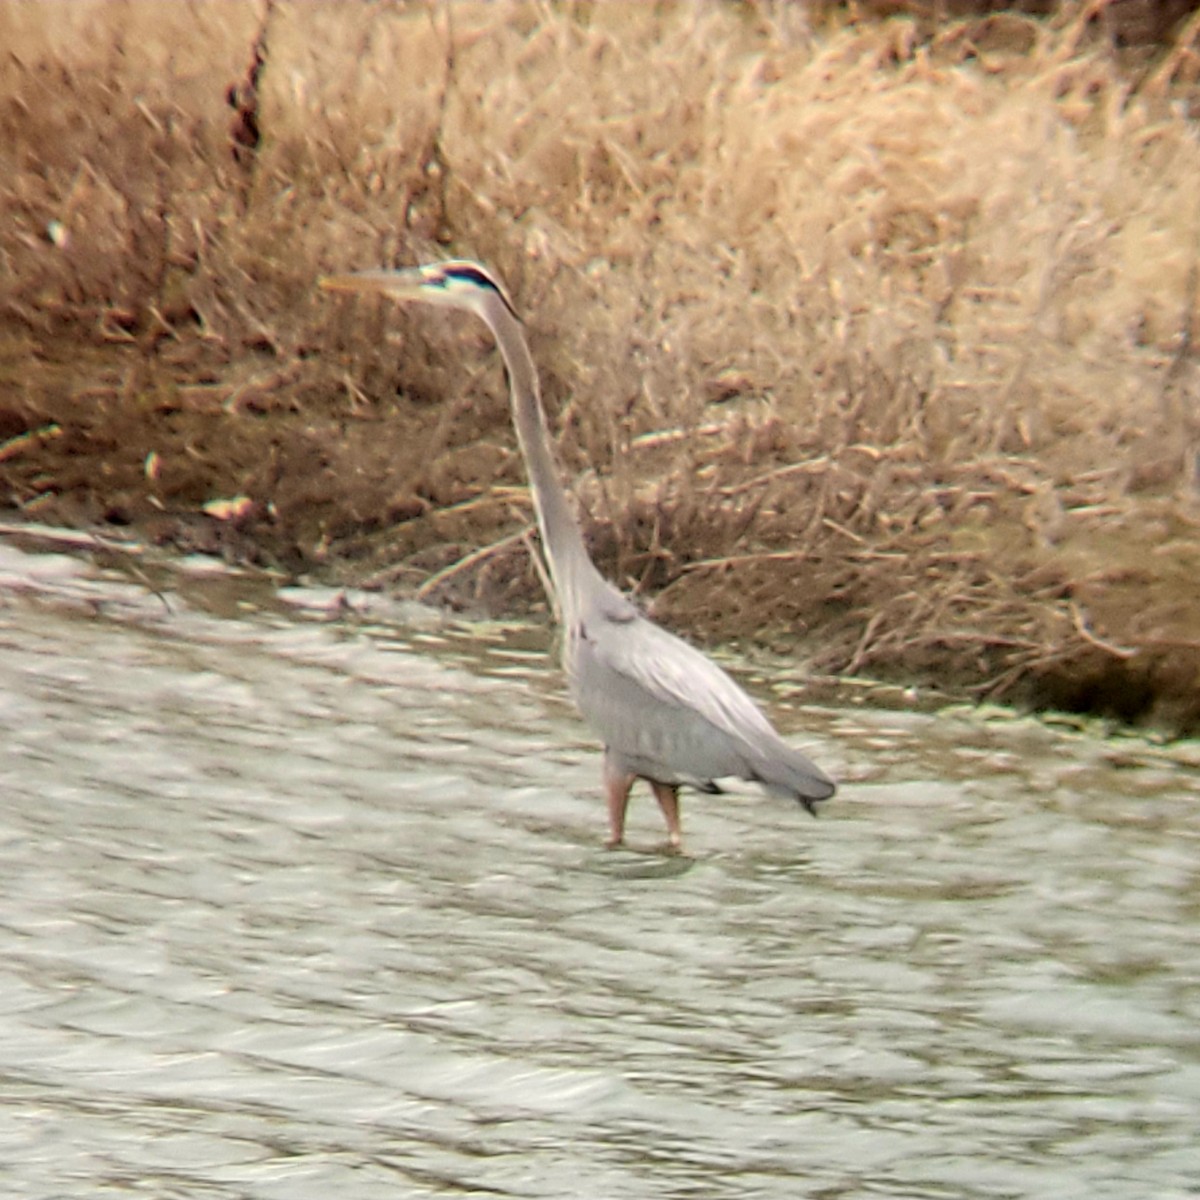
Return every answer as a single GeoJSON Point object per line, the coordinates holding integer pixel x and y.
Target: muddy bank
{"type": "Point", "coordinates": [868, 344]}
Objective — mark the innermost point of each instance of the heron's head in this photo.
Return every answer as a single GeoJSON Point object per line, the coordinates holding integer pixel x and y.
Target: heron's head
{"type": "Point", "coordinates": [454, 284]}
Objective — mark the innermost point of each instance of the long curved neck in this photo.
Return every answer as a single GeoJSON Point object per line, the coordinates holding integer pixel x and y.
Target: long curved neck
{"type": "Point", "coordinates": [561, 540]}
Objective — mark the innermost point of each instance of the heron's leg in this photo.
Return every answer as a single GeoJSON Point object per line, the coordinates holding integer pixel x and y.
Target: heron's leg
{"type": "Point", "coordinates": [616, 788]}
{"type": "Point", "coordinates": [667, 796]}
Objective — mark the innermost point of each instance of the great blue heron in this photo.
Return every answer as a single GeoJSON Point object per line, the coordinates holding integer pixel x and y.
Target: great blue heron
{"type": "Point", "coordinates": [664, 712]}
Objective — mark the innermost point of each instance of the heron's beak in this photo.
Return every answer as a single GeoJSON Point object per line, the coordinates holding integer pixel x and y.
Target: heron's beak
{"type": "Point", "coordinates": [389, 283]}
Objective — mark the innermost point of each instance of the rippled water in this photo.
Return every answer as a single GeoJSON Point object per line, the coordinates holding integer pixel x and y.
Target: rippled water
{"type": "Point", "coordinates": [309, 908]}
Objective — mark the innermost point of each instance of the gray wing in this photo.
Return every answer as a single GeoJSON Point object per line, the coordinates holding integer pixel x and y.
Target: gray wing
{"type": "Point", "coordinates": [671, 714]}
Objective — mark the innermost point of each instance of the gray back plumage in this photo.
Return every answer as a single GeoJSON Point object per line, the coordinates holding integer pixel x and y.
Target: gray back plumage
{"type": "Point", "coordinates": [669, 713]}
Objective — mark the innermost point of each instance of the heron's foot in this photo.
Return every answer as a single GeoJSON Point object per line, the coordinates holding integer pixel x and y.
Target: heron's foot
{"type": "Point", "coordinates": [614, 841]}
{"type": "Point", "coordinates": [668, 849]}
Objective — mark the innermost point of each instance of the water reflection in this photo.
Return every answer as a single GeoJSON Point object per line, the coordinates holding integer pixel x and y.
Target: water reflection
{"type": "Point", "coordinates": [300, 908]}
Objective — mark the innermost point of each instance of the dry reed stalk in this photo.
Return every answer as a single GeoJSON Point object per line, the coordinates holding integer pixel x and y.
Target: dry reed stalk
{"type": "Point", "coordinates": [879, 334]}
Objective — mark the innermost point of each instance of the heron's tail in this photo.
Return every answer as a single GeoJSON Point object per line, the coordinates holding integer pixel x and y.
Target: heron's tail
{"type": "Point", "coordinates": [789, 773]}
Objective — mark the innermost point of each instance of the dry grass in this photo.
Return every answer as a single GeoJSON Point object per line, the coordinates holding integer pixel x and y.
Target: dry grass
{"type": "Point", "coordinates": [866, 333]}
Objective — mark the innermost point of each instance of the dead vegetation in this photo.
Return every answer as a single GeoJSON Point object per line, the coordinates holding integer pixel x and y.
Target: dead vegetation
{"type": "Point", "coordinates": [874, 340]}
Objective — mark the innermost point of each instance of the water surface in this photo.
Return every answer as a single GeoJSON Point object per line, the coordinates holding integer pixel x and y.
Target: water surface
{"type": "Point", "coordinates": [300, 904]}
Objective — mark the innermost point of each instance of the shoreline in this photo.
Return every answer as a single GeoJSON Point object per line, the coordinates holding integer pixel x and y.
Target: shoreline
{"type": "Point", "coordinates": [873, 346]}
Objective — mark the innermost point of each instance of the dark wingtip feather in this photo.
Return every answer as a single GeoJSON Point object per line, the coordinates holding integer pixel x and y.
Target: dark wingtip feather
{"type": "Point", "coordinates": [810, 802]}
{"type": "Point", "coordinates": [812, 788]}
